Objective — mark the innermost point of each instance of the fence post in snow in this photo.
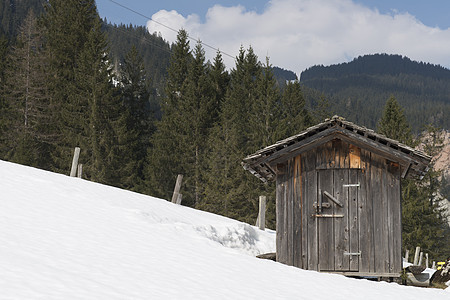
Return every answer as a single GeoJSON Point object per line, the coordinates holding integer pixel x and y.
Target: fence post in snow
{"type": "Point", "coordinates": [179, 198]}
{"type": "Point", "coordinates": [76, 155]}
{"type": "Point", "coordinates": [426, 261]}
{"type": "Point", "coordinates": [407, 255]}
{"type": "Point", "coordinates": [80, 170]}
{"type": "Point", "coordinates": [177, 188]}
{"type": "Point", "coordinates": [416, 256]}
{"type": "Point", "coordinates": [420, 259]}
{"type": "Point", "coordinates": [261, 221]}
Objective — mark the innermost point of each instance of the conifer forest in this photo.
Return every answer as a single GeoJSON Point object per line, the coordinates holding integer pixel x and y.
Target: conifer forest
{"type": "Point", "coordinates": [143, 111]}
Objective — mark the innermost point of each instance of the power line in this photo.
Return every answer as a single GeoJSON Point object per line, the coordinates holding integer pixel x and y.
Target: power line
{"type": "Point", "coordinates": [170, 28]}
{"type": "Point", "coordinates": [147, 41]}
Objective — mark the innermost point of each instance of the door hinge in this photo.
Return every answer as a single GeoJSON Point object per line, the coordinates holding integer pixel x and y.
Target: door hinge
{"type": "Point", "coordinates": [327, 216]}
{"type": "Point", "coordinates": [353, 253]}
{"type": "Point", "coordinates": [351, 185]}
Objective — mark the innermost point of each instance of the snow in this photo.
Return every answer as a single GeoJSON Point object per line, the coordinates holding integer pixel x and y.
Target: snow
{"type": "Point", "coordinates": [67, 238]}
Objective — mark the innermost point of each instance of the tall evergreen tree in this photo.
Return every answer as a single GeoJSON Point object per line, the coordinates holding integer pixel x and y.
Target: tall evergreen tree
{"type": "Point", "coordinates": [27, 98]}
{"type": "Point", "coordinates": [94, 88]}
{"type": "Point", "coordinates": [220, 80]}
{"type": "Point", "coordinates": [165, 160]}
{"type": "Point", "coordinates": [4, 126]}
{"type": "Point", "coordinates": [230, 190]}
{"type": "Point", "coordinates": [295, 116]}
{"type": "Point", "coordinates": [137, 118]}
{"type": "Point", "coordinates": [322, 109]}
{"type": "Point", "coordinates": [422, 220]}
{"type": "Point", "coordinates": [67, 25]}
{"type": "Point", "coordinates": [393, 123]}
{"type": "Point", "coordinates": [85, 110]}
{"type": "Point", "coordinates": [425, 222]}
{"type": "Point", "coordinates": [266, 110]}
{"type": "Point", "coordinates": [198, 114]}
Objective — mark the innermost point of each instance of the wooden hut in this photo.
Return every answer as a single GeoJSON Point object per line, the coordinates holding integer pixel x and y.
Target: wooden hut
{"type": "Point", "coordinates": [338, 197]}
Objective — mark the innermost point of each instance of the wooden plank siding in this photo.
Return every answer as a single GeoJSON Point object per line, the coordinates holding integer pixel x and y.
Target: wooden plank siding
{"type": "Point", "coordinates": [298, 214]}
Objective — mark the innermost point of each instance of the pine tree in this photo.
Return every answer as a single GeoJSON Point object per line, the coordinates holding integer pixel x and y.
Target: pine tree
{"type": "Point", "coordinates": [322, 110]}
{"type": "Point", "coordinates": [422, 221]}
{"type": "Point", "coordinates": [98, 138]}
{"type": "Point", "coordinates": [165, 160]}
{"type": "Point", "coordinates": [295, 116]}
{"type": "Point", "coordinates": [230, 189]}
{"type": "Point", "coordinates": [26, 94]}
{"type": "Point", "coordinates": [266, 110]}
{"type": "Point", "coordinates": [197, 110]}
{"type": "Point", "coordinates": [220, 80]}
{"type": "Point", "coordinates": [217, 163]}
{"type": "Point", "coordinates": [4, 108]}
{"type": "Point", "coordinates": [81, 89]}
{"type": "Point", "coordinates": [137, 119]}
{"type": "Point", "coordinates": [393, 123]}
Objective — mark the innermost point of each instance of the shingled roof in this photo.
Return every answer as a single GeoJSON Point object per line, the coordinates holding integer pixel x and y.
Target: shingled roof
{"type": "Point", "coordinates": [262, 162]}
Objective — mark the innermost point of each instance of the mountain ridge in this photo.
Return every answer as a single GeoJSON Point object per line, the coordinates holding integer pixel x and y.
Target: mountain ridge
{"type": "Point", "coordinates": [358, 90]}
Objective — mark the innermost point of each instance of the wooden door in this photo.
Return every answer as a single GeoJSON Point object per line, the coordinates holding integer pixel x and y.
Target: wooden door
{"type": "Point", "coordinates": [337, 219]}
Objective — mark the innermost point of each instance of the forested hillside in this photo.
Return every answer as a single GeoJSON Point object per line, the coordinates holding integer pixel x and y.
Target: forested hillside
{"type": "Point", "coordinates": [13, 12]}
{"type": "Point", "coordinates": [143, 111]}
{"type": "Point", "coordinates": [358, 90]}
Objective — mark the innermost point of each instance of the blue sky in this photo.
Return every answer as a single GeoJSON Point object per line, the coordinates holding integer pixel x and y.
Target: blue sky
{"type": "Point", "coordinates": [296, 34]}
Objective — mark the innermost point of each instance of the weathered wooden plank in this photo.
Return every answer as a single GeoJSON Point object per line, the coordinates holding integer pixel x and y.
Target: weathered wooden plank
{"type": "Point", "coordinates": [280, 203]}
{"type": "Point", "coordinates": [366, 262]}
{"type": "Point", "coordinates": [355, 157]}
{"type": "Point", "coordinates": [375, 148]}
{"type": "Point", "coordinates": [298, 262]}
{"type": "Point", "coordinates": [395, 215]}
{"type": "Point", "coordinates": [304, 210]}
{"type": "Point", "coordinates": [388, 186]}
{"type": "Point", "coordinates": [310, 191]}
{"type": "Point", "coordinates": [325, 156]}
{"type": "Point", "coordinates": [326, 232]}
{"type": "Point", "coordinates": [290, 214]}
{"type": "Point", "coordinates": [353, 196]}
{"type": "Point", "coordinates": [341, 226]}
{"type": "Point", "coordinates": [378, 195]}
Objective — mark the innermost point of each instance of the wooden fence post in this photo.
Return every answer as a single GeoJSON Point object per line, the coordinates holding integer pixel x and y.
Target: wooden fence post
{"type": "Point", "coordinates": [76, 155]}
{"type": "Point", "coordinates": [416, 256]}
{"type": "Point", "coordinates": [179, 198]}
{"type": "Point", "coordinates": [433, 266]}
{"type": "Point", "coordinates": [420, 259]}
{"type": "Point", "coordinates": [407, 255]}
{"type": "Point", "coordinates": [177, 188]}
{"type": "Point", "coordinates": [426, 260]}
{"type": "Point", "coordinates": [262, 213]}
{"type": "Point", "coordinates": [80, 170]}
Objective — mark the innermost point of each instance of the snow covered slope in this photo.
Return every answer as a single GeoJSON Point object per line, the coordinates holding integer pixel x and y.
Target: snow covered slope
{"type": "Point", "coordinates": [67, 238]}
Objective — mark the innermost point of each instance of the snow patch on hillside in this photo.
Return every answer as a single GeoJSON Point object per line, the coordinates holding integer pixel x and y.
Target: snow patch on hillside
{"type": "Point", "coordinates": [67, 238]}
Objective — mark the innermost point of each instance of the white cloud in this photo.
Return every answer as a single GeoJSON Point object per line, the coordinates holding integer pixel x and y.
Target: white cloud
{"type": "Point", "coordinates": [297, 34]}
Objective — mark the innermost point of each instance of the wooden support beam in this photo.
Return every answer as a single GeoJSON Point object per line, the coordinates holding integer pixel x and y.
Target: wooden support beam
{"type": "Point", "coordinates": [406, 170]}
{"type": "Point", "coordinates": [262, 213]}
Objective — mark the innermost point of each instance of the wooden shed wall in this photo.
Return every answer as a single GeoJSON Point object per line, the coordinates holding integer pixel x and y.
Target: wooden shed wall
{"type": "Point", "coordinates": [372, 222]}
